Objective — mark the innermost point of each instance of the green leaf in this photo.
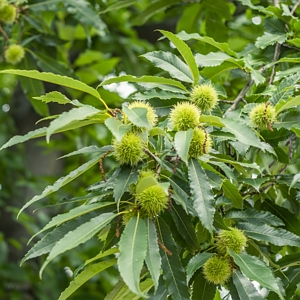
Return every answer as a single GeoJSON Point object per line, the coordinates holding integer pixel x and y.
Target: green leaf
{"type": "Point", "coordinates": [152, 9]}
{"type": "Point", "coordinates": [123, 181]}
{"type": "Point", "coordinates": [66, 118]}
{"type": "Point", "coordinates": [294, 181]}
{"type": "Point", "coordinates": [185, 52]}
{"type": "Point", "coordinates": [72, 214]}
{"type": "Point", "coordinates": [61, 182]}
{"type": "Point", "coordinates": [202, 289]}
{"type": "Point", "coordinates": [162, 95]}
{"type": "Point", "coordinates": [289, 219]}
{"type": "Point", "coordinates": [118, 5]}
{"type": "Point", "coordinates": [54, 97]}
{"type": "Point", "coordinates": [292, 283]}
{"type": "Point", "coordinates": [32, 88]}
{"type": "Point", "coordinates": [255, 269]}
{"type": "Point", "coordinates": [153, 259]}
{"type": "Point", "coordinates": [242, 132]}
{"type": "Point", "coordinates": [170, 63]}
{"type": "Point", "coordinates": [145, 79]}
{"type": "Point", "coordinates": [85, 14]}
{"type": "Point", "coordinates": [173, 272]}
{"type": "Point", "coordinates": [196, 262]}
{"type": "Point", "coordinates": [57, 79]}
{"type": "Point", "coordinates": [85, 275]}
{"type": "Point", "coordinates": [285, 89]}
{"type": "Point", "coordinates": [282, 105]}
{"type": "Point", "coordinates": [266, 233]}
{"type": "Point", "coordinates": [245, 288]}
{"type": "Point", "coordinates": [133, 250]}
{"type": "Point", "coordinates": [185, 227]}
{"type": "Point", "coordinates": [232, 193]}
{"type": "Point", "coordinates": [255, 182]}
{"type": "Point", "coordinates": [89, 150]}
{"type": "Point", "coordinates": [46, 244]}
{"type": "Point", "coordinates": [211, 59]}
{"type": "Point", "coordinates": [78, 236]}
{"type": "Point", "coordinates": [254, 216]}
{"type": "Point", "coordinates": [208, 40]}
{"type": "Point", "coordinates": [145, 183]}
{"type": "Point", "coordinates": [268, 39]}
{"type": "Point", "coordinates": [137, 116]}
{"type": "Point", "coordinates": [182, 142]}
{"type": "Point", "coordinates": [203, 201]}
{"type": "Point", "coordinates": [117, 128]}
{"type": "Point", "coordinates": [23, 138]}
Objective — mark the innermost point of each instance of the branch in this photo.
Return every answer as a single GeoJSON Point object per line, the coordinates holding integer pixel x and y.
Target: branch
{"type": "Point", "coordinates": [275, 58]}
{"type": "Point", "coordinates": [4, 33]}
{"type": "Point", "coordinates": [295, 7]}
{"type": "Point", "coordinates": [241, 95]}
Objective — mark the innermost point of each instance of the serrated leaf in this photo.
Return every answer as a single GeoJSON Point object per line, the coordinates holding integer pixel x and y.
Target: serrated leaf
{"type": "Point", "coordinates": [268, 39]}
{"type": "Point", "coordinates": [289, 219]}
{"type": "Point", "coordinates": [133, 250]}
{"type": "Point", "coordinates": [123, 181]}
{"type": "Point", "coordinates": [202, 289]}
{"type": "Point", "coordinates": [182, 142]}
{"type": "Point", "coordinates": [196, 263]}
{"type": "Point", "coordinates": [61, 182]}
{"type": "Point", "coordinates": [173, 272]}
{"type": "Point", "coordinates": [185, 52]}
{"type": "Point", "coordinates": [57, 79]}
{"type": "Point", "coordinates": [255, 269]}
{"type": "Point", "coordinates": [292, 282]}
{"type": "Point", "coordinates": [46, 244]}
{"type": "Point", "coordinates": [254, 216]}
{"type": "Point", "coordinates": [78, 236]}
{"type": "Point", "coordinates": [153, 259]}
{"type": "Point", "coordinates": [255, 182]}
{"type": "Point", "coordinates": [85, 14]}
{"type": "Point", "coordinates": [185, 227]}
{"type": "Point", "coordinates": [53, 97]}
{"type": "Point", "coordinates": [242, 132]}
{"type": "Point", "coordinates": [285, 89]}
{"type": "Point", "coordinates": [208, 40]}
{"type": "Point", "coordinates": [170, 63]}
{"type": "Point", "coordinates": [202, 194]}
{"type": "Point", "coordinates": [266, 233]}
{"type": "Point", "coordinates": [162, 95]}
{"type": "Point", "coordinates": [72, 214]}
{"type": "Point", "coordinates": [145, 79]}
{"type": "Point", "coordinates": [23, 138]}
{"type": "Point", "coordinates": [117, 128]}
{"type": "Point", "coordinates": [118, 5]}
{"type": "Point", "coordinates": [282, 105]}
{"type": "Point", "coordinates": [66, 118]}
{"type": "Point", "coordinates": [211, 59]}
{"type": "Point", "coordinates": [89, 150]}
{"type": "Point", "coordinates": [85, 275]}
{"type": "Point", "coordinates": [232, 193]}
{"type": "Point", "coordinates": [137, 116]}
{"type": "Point", "coordinates": [245, 288]}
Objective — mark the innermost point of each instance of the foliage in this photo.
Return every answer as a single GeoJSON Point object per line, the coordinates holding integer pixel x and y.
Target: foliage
{"type": "Point", "coordinates": [244, 176]}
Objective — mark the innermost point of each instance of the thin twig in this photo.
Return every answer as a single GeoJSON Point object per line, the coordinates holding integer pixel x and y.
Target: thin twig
{"type": "Point", "coordinates": [241, 95]}
{"type": "Point", "coordinates": [275, 58]}
{"type": "Point", "coordinates": [295, 7]}
{"type": "Point", "coordinates": [4, 33]}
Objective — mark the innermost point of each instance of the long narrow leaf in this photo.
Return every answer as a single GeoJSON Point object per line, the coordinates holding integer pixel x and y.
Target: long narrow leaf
{"type": "Point", "coordinates": [133, 250]}
{"type": "Point", "coordinates": [202, 194]}
{"type": "Point", "coordinates": [153, 259]}
{"type": "Point", "coordinates": [85, 275]}
{"type": "Point", "coordinates": [182, 142]}
{"type": "Point", "coordinates": [61, 182]}
{"type": "Point", "coordinates": [173, 271]}
{"type": "Point", "coordinates": [78, 236]}
{"type": "Point", "coordinates": [186, 53]}
{"type": "Point", "coordinates": [255, 269]}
